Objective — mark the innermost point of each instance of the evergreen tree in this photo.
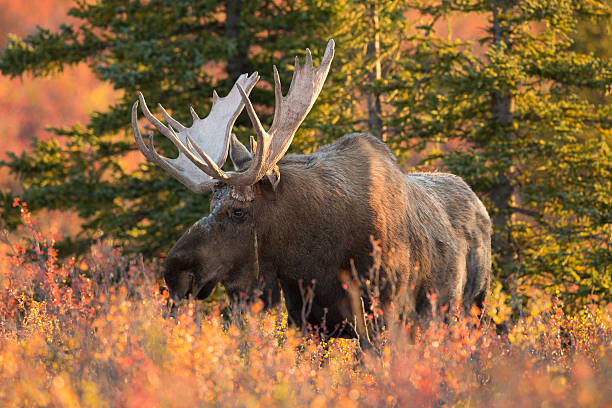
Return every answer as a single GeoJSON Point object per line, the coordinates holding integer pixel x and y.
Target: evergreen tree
{"type": "Point", "coordinates": [532, 140]}
{"type": "Point", "coordinates": [520, 117]}
{"type": "Point", "coordinates": [369, 37]}
{"type": "Point", "coordinates": [594, 36]}
{"type": "Point", "coordinates": [173, 51]}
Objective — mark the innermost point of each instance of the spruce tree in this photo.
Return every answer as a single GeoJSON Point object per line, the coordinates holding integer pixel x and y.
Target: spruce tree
{"type": "Point", "coordinates": [175, 52]}
{"type": "Point", "coordinates": [521, 119]}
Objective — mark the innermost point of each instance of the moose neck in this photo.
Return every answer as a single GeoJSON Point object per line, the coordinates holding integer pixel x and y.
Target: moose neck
{"type": "Point", "coordinates": [319, 206]}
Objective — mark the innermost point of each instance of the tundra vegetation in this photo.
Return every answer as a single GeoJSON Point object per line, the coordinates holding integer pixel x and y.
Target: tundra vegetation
{"type": "Point", "coordinates": [95, 333]}
{"type": "Point", "coordinates": [520, 110]}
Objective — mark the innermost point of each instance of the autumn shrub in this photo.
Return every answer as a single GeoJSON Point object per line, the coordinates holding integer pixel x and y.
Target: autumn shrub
{"type": "Point", "coordinates": [98, 332]}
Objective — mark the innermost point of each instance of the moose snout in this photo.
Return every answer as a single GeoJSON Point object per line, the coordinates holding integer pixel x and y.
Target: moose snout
{"type": "Point", "coordinates": [183, 285]}
{"type": "Point", "coordinates": [179, 284]}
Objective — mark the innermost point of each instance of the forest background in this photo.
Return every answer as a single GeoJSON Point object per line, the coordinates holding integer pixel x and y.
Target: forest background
{"type": "Point", "coordinates": [514, 96]}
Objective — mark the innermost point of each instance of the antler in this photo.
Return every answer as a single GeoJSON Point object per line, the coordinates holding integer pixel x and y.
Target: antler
{"type": "Point", "coordinates": [289, 112]}
{"type": "Point", "coordinates": [210, 134]}
{"type": "Point", "coordinates": [209, 137]}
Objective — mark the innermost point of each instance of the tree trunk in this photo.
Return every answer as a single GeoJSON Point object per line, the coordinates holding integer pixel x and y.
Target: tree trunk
{"type": "Point", "coordinates": [374, 73]}
{"type": "Point", "coordinates": [237, 61]}
{"type": "Point", "coordinates": [503, 192]}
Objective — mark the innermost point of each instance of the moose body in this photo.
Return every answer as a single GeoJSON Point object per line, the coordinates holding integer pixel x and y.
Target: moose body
{"type": "Point", "coordinates": [309, 220]}
{"type": "Point", "coordinates": [433, 231]}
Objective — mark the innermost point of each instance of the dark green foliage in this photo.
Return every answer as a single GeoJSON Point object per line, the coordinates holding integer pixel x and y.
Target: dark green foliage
{"type": "Point", "coordinates": [173, 51]}
{"type": "Point", "coordinates": [529, 116]}
{"type": "Point", "coordinates": [530, 142]}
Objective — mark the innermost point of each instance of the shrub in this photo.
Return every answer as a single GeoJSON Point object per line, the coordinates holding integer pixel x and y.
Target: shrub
{"type": "Point", "coordinates": [98, 333]}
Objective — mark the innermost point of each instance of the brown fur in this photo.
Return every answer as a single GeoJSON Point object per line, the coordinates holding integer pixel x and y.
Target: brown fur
{"type": "Point", "coordinates": [433, 231]}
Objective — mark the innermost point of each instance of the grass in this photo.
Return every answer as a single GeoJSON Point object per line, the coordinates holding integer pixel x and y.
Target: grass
{"type": "Point", "coordinates": [98, 333]}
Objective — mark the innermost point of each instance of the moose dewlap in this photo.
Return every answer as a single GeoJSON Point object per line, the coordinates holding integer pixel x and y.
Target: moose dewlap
{"type": "Point", "coordinates": [291, 221]}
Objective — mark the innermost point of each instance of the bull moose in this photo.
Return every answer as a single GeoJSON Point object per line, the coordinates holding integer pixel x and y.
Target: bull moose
{"type": "Point", "coordinates": [304, 218]}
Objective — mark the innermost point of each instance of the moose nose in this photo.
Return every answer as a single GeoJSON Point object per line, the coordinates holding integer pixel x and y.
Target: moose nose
{"type": "Point", "coordinates": [179, 284]}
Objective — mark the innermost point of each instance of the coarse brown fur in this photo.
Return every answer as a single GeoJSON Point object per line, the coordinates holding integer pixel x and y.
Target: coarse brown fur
{"type": "Point", "coordinates": [433, 231]}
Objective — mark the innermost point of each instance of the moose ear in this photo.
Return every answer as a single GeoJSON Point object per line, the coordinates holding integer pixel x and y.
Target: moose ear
{"type": "Point", "coordinates": [239, 154]}
{"type": "Point", "coordinates": [274, 177]}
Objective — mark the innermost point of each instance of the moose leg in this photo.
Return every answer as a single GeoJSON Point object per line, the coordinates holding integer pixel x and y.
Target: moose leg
{"type": "Point", "coordinates": [271, 293]}
{"type": "Point", "coordinates": [478, 270]}
{"type": "Point", "coordinates": [293, 303]}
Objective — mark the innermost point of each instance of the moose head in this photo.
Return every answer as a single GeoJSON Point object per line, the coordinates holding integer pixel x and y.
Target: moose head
{"type": "Point", "coordinates": [223, 247]}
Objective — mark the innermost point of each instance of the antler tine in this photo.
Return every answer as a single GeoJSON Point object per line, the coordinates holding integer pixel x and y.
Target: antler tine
{"type": "Point", "coordinates": [308, 63]}
{"type": "Point", "coordinates": [194, 115]}
{"type": "Point", "coordinates": [171, 121]}
{"type": "Point", "coordinates": [328, 55]}
{"type": "Point", "coordinates": [140, 143]}
{"type": "Point", "coordinates": [289, 112]}
{"type": "Point", "coordinates": [151, 118]}
{"type": "Point", "coordinates": [278, 90]}
{"type": "Point", "coordinates": [208, 166]}
{"type": "Point", "coordinates": [261, 132]}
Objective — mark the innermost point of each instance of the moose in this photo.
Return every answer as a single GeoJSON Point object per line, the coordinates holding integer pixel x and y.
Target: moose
{"type": "Point", "coordinates": [307, 219]}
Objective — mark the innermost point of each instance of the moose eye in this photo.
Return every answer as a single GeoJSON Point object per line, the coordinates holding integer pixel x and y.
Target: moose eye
{"type": "Point", "coordinates": [237, 213]}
